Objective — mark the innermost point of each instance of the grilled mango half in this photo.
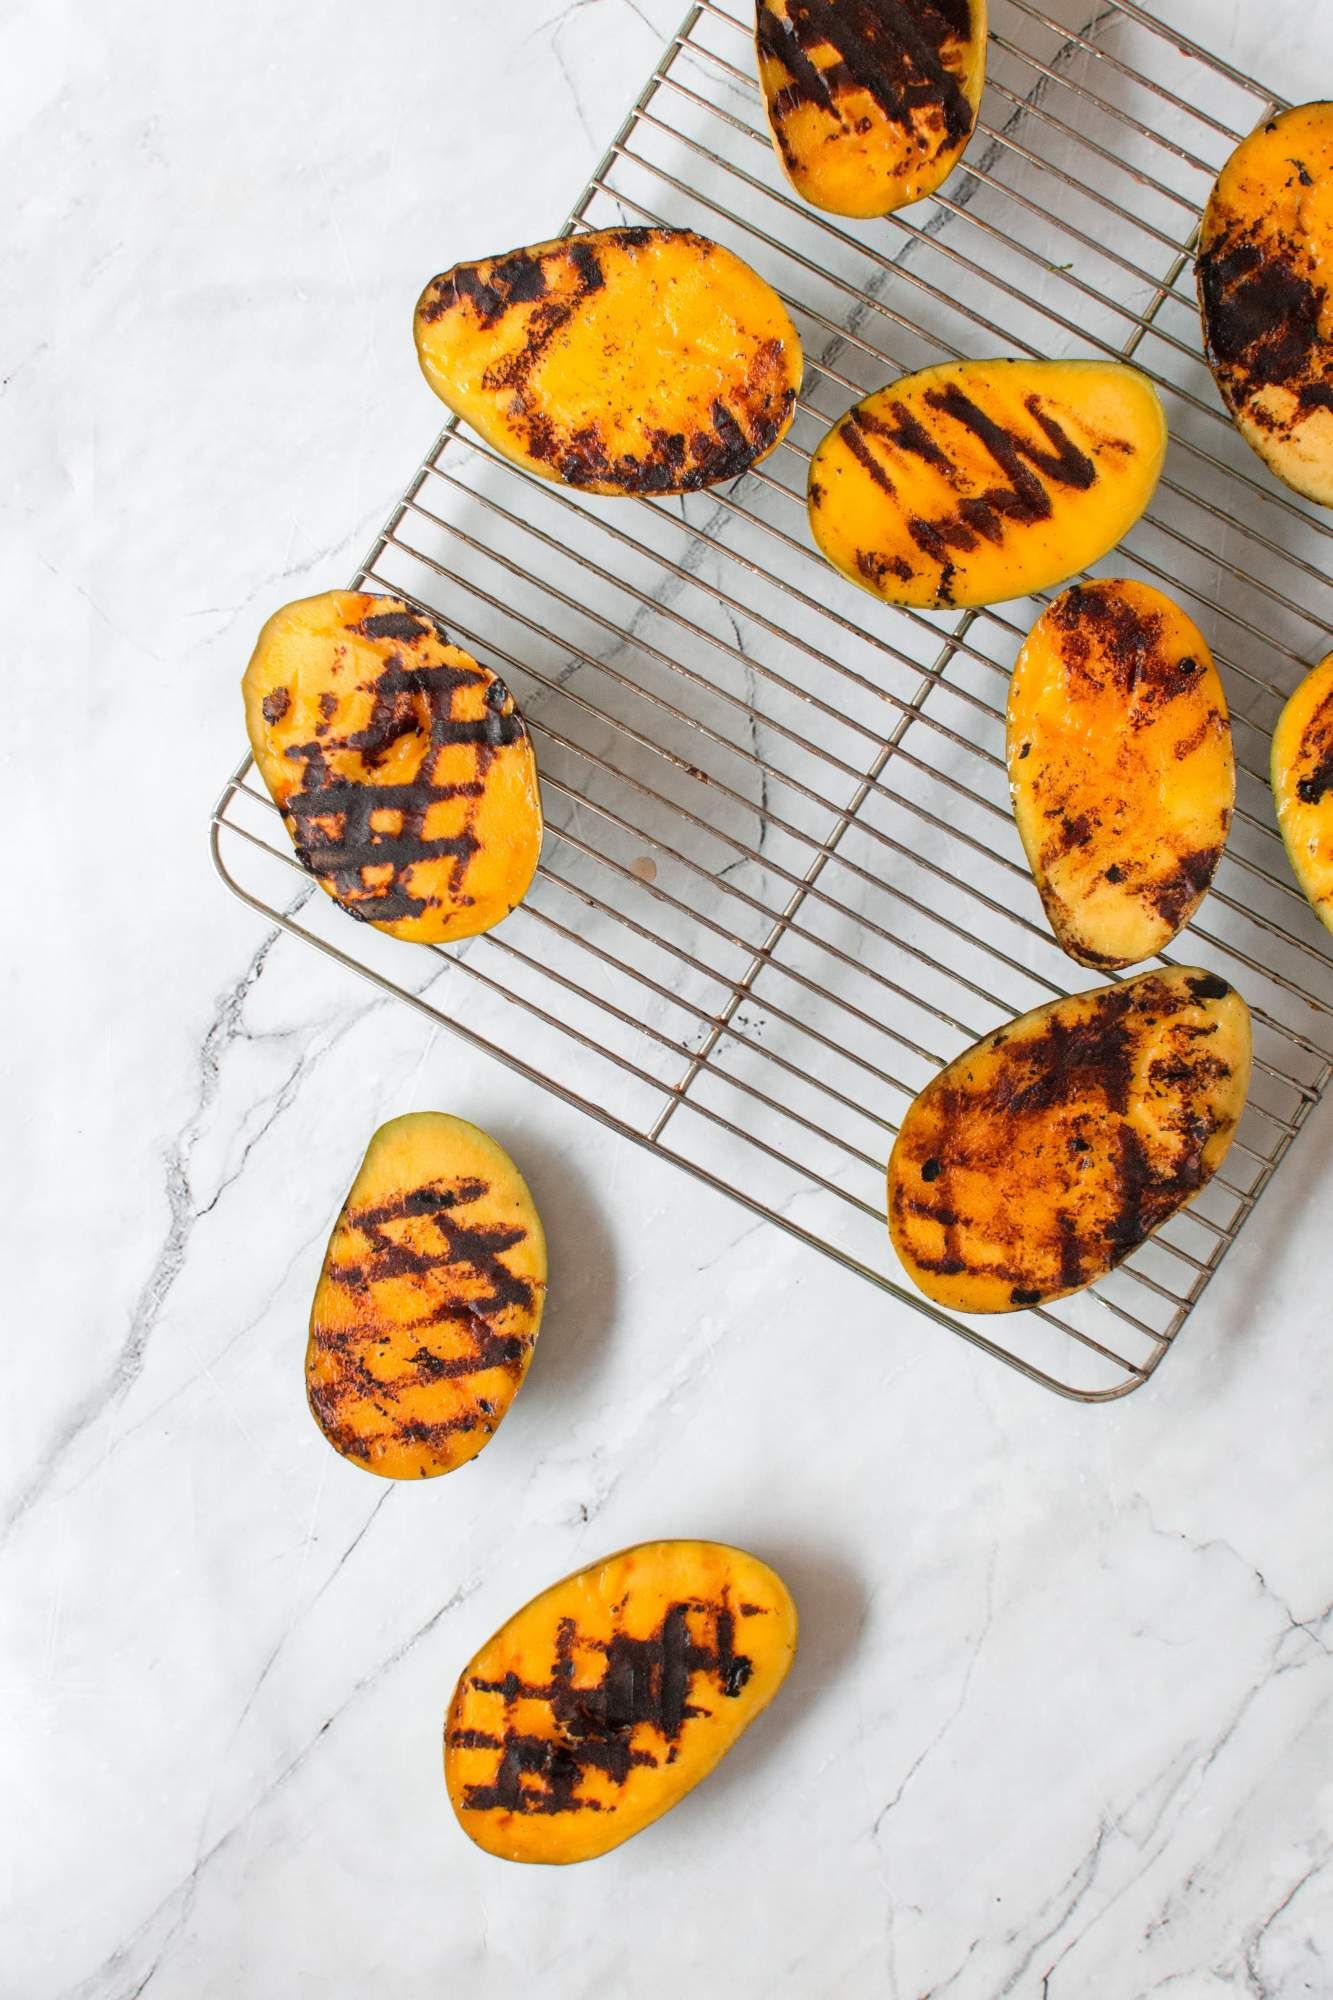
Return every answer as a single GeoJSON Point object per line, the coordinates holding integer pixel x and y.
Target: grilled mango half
{"type": "Point", "coordinates": [870, 102]}
{"type": "Point", "coordinates": [1049, 1150]}
{"type": "Point", "coordinates": [1303, 785]}
{"type": "Point", "coordinates": [1121, 768]}
{"type": "Point", "coordinates": [980, 480]}
{"type": "Point", "coordinates": [403, 769]}
{"type": "Point", "coordinates": [607, 1698]}
{"type": "Point", "coordinates": [623, 361]}
{"type": "Point", "coordinates": [1265, 275]}
{"type": "Point", "coordinates": [430, 1300]}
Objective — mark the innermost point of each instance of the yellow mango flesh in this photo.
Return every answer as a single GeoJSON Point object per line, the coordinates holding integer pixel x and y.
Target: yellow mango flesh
{"type": "Point", "coordinates": [601, 1703]}
{"type": "Point", "coordinates": [622, 361]}
{"type": "Point", "coordinates": [870, 102]}
{"type": "Point", "coordinates": [1120, 767]}
{"type": "Point", "coordinates": [1303, 786]}
{"type": "Point", "coordinates": [981, 480]}
{"type": "Point", "coordinates": [402, 768]}
{"type": "Point", "coordinates": [1265, 275]}
{"type": "Point", "coordinates": [430, 1300]}
{"type": "Point", "coordinates": [1048, 1151]}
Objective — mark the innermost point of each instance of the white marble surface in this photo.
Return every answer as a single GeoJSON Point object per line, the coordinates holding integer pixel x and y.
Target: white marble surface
{"type": "Point", "coordinates": [1061, 1723]}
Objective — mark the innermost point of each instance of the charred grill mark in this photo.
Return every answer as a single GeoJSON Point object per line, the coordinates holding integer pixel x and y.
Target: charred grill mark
{"type": "Point", "coordinates": [982, 516]}
{"type": "Point", "coordinates": [404, 625]}
{"type": "Point", "coordinates": [1261, 316]}
{"type": "Point", "coordinates": [644, 1682]}
{"type": "Point", "coordinates": [1316, 753]}
{"type": "Point", "coordinates": [461, 1248]}
{"type": "Point", "coordinates": [338, 820]}
{"type": "Point", "coordinates": [1211, 723]}
{"type": "Point", "coordinates": [515, 370]}
{"type": "Point", "coordinates": [276, 704]}
{"type": "Point", "coordinates": [852, 436]}
{"type": "Point", "coordinates": [908, 433]}
{"type": "Point", "coordinates": [1069, 1079]}
{"type": "Point", "coordinates": [874, 567]}
{"type": "Point", "coordinates": [1175, 895]}
{"type": "Point", "coordinates": [892, 49]}
{"type": "Point", "coordinates": [1106, 638]}
{"type": "Point", "coordinates": [519, 279]}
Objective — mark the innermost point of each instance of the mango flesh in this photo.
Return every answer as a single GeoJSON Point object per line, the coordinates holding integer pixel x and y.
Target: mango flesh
{"type": "Point", "coordinates": [1265, 276]}
{"type": "Point", "coordinates": [600, 1704]}
{"type": "Point", "coordinates": [402, 768]}
{"type": "Point", "coordinates": [1051, 1149]}
{"type": "Point", "coordinates": [1120, 767]}
{"type": "Point", "coordinates": [623, 361]}
{"type": "Point", "coordinates": [976, 481]}
{"type": "Point", "coordinates": [870, 102]}
{"type": "Point", "coordinates": [1303, 786]}
{"type": "Point", "coordinates": [430, 1300]}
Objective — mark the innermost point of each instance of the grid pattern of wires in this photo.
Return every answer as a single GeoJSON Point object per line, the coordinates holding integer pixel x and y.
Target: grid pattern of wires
{"type": "Point", "coordinates": [781, 884]}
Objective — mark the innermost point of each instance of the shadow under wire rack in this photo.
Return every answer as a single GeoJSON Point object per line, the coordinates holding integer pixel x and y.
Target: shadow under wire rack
{"type": "Point", "coordinates": [781, 884]}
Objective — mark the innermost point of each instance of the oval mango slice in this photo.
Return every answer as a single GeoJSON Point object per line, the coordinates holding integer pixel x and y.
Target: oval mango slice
{"type": "Point", "coordinates": [870, 102]}
{"type": "Point", "coordinates": [1120, 767]}
{"type": "Point", "coordinates": [402, 768]}
{"type": "Point", "coordinates": [603, 1701]}
{"type": "Point", "coordinates": [1303, 786]}
{"type": "Point", "coordinates": [621, 361]}
{"type": "Point", "coordinates": [430, 1300]}
{"type": "Point", "coordinates": [980, 480]}
{"type": "Point", "coordinates": [1265, 277]}
{"type": "Point", "coordinates": [1049, 1150]}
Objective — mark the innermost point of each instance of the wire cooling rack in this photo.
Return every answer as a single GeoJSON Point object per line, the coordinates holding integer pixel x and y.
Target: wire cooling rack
{"type": "Point", "coordinates": [781, 884]}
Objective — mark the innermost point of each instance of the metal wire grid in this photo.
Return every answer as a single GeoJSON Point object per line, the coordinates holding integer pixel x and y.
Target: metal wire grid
{"type": "Point", "coordinates": [781, 883]}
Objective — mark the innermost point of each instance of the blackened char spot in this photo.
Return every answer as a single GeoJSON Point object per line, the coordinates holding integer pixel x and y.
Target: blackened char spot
{"type": "Point", "coordinates": [893, 49]}
{"type": "Point", "coordinates": [276, 704]}
{"type": "Point", "coordinates": [1023, 499]}
{"type": "Point", "coordinates": [1208, 986]}
{"type": "Point", "coordinates": [404, 625]}
{"type": "Point", "coordinates": [855, 442]}
{"type": "Point", "coordinates": [1190, 875]}
{"type": "Point", "coordinates": [644, 1682]}
{"type": "Point", "coordinates": [1261, 315]}
{"type": "Point", "coordinates": [332, 817]}
{"type": "Point", "coordinates": [1106, 636]}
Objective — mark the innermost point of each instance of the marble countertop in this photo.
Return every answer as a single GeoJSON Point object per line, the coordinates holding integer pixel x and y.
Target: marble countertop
{"type": "Point", "coordinates": [1061, 1724]}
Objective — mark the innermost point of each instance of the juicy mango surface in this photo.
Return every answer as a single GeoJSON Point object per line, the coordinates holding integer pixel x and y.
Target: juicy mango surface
{"type": "Point", "coordinates": [1120, 767]}
{"type": "Point", "coordinates": [1048, 1151]}
{"type": "Point", "coordinates": [601, 1703]}
{"type": "Point", "coordinates": [1265, 277]}
{"type": "Point", "coordinates": [976, 481]}
{"type": "Point", "coordinates": [1303, 785]}
{"type": "Point", "coordinates": [623, 361]}
{"type": "Point", "coordinates": [870, 102]}
{"type": "Point", "coordinates": [402, 768]}
{"type": "Point", "coordinates": [430, 1300]}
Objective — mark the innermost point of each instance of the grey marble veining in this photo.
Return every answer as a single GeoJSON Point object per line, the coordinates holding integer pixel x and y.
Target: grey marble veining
{"type": "Point", "coordinates": [1061, 1725]}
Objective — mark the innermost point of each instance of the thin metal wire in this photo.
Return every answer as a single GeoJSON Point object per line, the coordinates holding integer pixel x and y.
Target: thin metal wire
{"type": "Point", "coordinates": [763, 960]}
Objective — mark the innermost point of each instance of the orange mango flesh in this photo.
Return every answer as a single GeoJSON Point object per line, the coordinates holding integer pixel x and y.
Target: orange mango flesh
{"type": "Point", "coordinates": [1303, 786]}
{"type": "Point", "coordinates": [1048, 1151]}
{"type": "Point", "coordinates": [977, 481]}
{"type": "Point", "coordinates": [600, 1704]}
{"type": "Point", "coordinates": [1265, 275]}
{"type": "Point", "coordinates": [870, 102]}
{"type": "Point", "coordinates": [402, 768]}
{"type": "Point", "coordinates": [622, 361]}
{"type": "Point", "coordinates": [430, 1300]}
{"type": "Point", "coordinates": [1121, 768]}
